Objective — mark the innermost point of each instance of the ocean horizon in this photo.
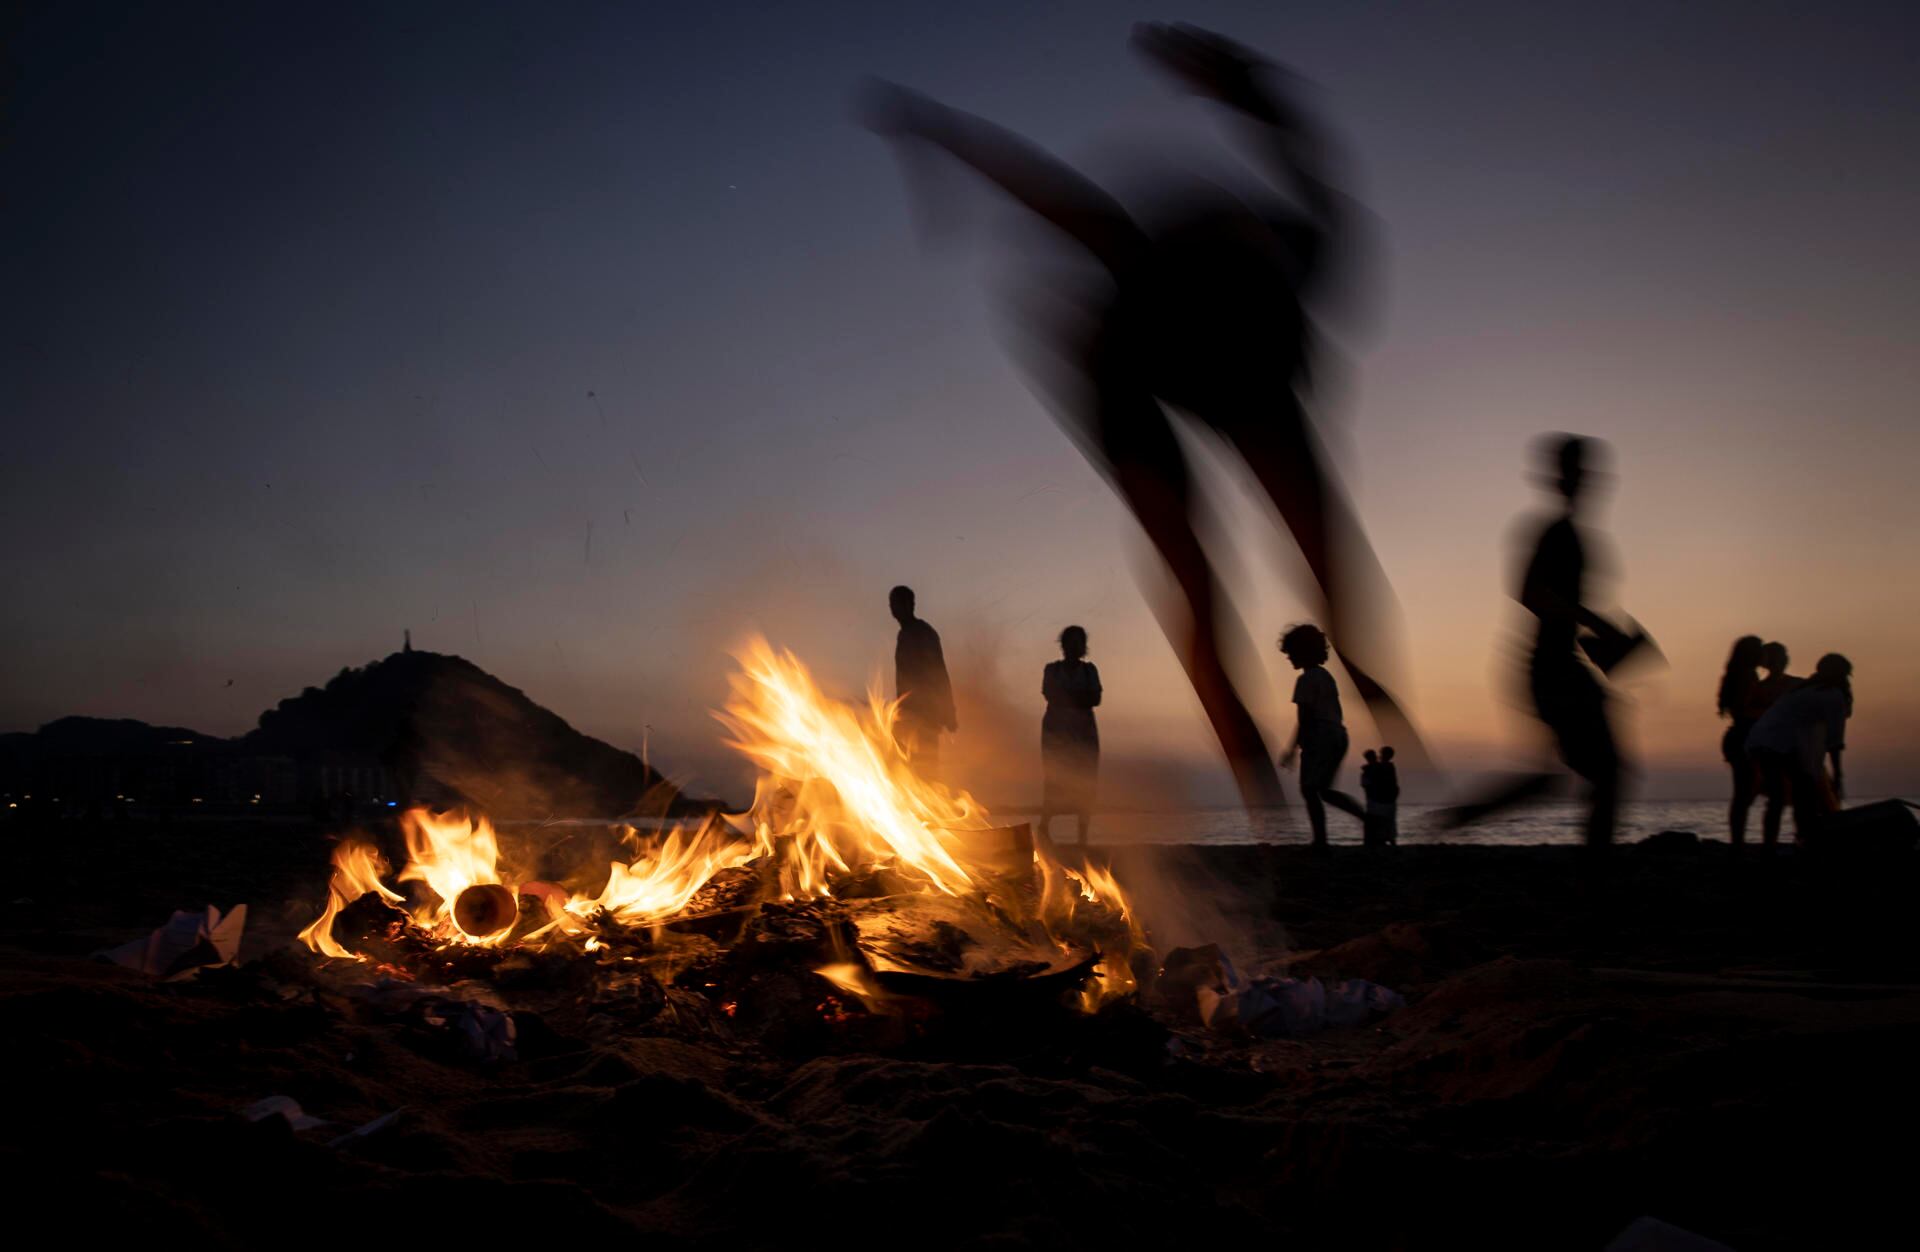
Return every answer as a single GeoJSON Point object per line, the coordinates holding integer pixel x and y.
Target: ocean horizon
{"type": "Point", "coordinates": [1544, 822]}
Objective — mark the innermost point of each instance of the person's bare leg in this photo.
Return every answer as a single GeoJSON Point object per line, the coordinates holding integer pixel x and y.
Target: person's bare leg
{"type": "Point", "coordinates": [1157, 493]}
{"type": "Point", "coordinates": [1316, 815]}
{"type": "Point", "coordinates": [1521, 790]}
{"type": "Point", "coordinates": [1770, 815]}
{"type": "Point", "coordinates": [1346, 804]}
{"type": "Point", "coordinates": [1280, 450]}
{"type": "Point", "coordinates": [1592, 752]}
{"type": "Point", "coordinates": [1742, 801]}
{"type": "Point", "coordinates": [1604, 813]}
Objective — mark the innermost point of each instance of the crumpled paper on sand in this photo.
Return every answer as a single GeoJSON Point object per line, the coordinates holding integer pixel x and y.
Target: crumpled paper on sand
{"type": "Point", "coordinates": [187, 944]}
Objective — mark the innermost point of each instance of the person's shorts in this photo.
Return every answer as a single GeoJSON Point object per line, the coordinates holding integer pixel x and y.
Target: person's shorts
{"type": "Point", "coordinates": [1320, 757]}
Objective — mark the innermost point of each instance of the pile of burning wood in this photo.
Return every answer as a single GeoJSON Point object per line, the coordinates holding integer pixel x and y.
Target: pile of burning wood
{"type": "Point", "coordinates": [851, 888]}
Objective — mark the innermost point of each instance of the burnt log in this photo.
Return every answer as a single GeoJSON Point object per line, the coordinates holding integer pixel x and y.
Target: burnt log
{"type": "Point", "coordinates": [375, 929]}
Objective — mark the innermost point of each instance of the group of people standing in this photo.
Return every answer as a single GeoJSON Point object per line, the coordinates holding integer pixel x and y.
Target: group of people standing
{"type": "Point", "coordinates": [1070, 736]}
{"type": "Point", "coordinates": [1783, 732]}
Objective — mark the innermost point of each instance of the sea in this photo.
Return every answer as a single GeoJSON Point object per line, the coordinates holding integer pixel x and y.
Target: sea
{"type": "Point", "coordinates": [1550, 822]}
{"type": "Point", "coordinates": [1545, 822]}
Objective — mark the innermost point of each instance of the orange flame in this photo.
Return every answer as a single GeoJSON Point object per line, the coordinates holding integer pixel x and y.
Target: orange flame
{"type": "Point", "coordinates": [449, 852]}
{"type": "Point", "coordinates": [356, 870]}
{"type": "Point", "coordinates": [843, 790]}
{"type": "Point", "coordinates": [837, 797]}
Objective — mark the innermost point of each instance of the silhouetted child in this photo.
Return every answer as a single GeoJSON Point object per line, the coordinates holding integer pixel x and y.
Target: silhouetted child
{"type": "Point", "coordinates": [1370, 783]}
{"type": "Point", "coordinates": [1320, 740]}
{"type": "Point", "coordinates": [1380, 780]}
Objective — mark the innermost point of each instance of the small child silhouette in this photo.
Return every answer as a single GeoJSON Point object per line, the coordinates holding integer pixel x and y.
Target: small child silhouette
{"type": "Point", "coordinates": [1380, 780]}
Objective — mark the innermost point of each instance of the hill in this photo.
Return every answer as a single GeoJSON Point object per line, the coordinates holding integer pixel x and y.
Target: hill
{"type": "Point", "coordinates": [447, 730]}
{"type": "Point", "coordinates": [415, 727]}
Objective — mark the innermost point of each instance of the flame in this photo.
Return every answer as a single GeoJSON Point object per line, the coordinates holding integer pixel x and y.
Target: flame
{"type": "Point", "coordinates": [848, 797]}
{"type": "Point", "coordinates": [1114, 976]}
{"type": "Point", "coordinates": [666, 875]}
{"type": "Point", "coordinates": [356, 870]}
{"type": "Point", "coordinates": [855, 980]}
{"type": "Point", "coordinates": [449, 852]}
{"type": "Point", "coordinates": [837, 798]}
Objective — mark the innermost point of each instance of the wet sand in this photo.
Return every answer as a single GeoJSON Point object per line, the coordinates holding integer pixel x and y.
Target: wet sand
{"type": "Point", "coordinates": [1726, 1044]}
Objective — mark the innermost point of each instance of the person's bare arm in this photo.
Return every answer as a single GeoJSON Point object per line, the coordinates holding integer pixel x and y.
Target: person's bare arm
{"type": "Point", "coordinates": [1293, 149]}
{"type": "Point", "coordinates": [1040, 181]}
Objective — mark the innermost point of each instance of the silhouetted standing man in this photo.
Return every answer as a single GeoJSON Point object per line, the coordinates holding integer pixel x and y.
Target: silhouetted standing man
{"type": "Point", "coordinates": [921, 685]}
{"type": "Point", "coordinates": [1203, 309]}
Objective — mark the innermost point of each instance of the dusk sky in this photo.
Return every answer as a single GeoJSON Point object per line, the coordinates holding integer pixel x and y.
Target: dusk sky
{"type": "Point", "coordinates": [584, 340]}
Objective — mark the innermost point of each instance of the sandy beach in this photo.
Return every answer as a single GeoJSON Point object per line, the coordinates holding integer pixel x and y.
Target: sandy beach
{"type": "Point", "coordinates": [1720, 1043]}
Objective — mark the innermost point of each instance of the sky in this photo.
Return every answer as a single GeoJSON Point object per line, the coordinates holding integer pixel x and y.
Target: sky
{"type": "Point", "coordinates": [585, 340]}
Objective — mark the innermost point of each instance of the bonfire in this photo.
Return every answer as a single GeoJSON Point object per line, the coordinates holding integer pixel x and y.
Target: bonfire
{"type": "Point", "coordinates": [883, 889]}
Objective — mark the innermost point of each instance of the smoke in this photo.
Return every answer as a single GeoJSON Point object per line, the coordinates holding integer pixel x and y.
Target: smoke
{"type": "Point", "coordinates": [996, 753]}
{"type": "Point", "coordinates": [1187, 897]}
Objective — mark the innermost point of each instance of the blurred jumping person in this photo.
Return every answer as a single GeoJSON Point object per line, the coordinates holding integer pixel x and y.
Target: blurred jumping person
{"type": "Point", "coordinates": [1202, 306]}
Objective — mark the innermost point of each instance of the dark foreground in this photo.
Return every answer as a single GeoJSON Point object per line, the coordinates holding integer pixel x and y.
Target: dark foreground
{"type": "Point", "coordinates": [1728, 1046]}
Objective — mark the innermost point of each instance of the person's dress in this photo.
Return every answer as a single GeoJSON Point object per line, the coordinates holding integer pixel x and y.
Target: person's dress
{"type": "Point", "coordinates": [925, 693]}
{"type": "Point", "coordinates": [1069, 739]}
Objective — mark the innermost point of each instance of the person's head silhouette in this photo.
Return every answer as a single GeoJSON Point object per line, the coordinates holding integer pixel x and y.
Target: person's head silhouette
{"type": "Point", "coordinates": [1737, 680]}
{"type": "Point", "coordinates": [1569, 464]}
{"type": "Point", "coordinates": [1370, 756]}
{"type": "Point", "coordinates": [1386, 754]}
{"type": "Point", "coordinates": [1773, 658]}
{"type": "Point", "coordinates": [900, 604]}
{"type": "Point", "coordinates": [1832, 670]}
{"type": "Point", "coordinates": [1304, 645]}
{"type": "Point", "coordinates": [1073, 643]}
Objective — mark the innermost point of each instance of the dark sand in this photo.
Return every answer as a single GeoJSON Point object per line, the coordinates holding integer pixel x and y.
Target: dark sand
{"type": "Point", "coordinates": [1729, 1046]}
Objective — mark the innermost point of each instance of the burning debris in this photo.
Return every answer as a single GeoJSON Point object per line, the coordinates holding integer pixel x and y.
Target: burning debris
{"type": "Point", "coordinates": [850, 888]}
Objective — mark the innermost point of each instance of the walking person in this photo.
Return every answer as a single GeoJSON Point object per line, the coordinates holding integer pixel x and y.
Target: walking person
{"type": "Point", "coordinates": [1320, 736]}
{"type": "Point", "coordinates": [1069, 738]}
{"type": "Point", "coordinates": [1739, 702]}
{"type": "Point", "coordinates": [1568, 698]}
{"type": "Point", "coordinates": [921, 686]}
{"type": "Point", "coordinates": [1795, 741]}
